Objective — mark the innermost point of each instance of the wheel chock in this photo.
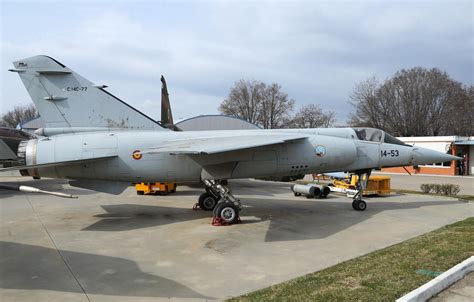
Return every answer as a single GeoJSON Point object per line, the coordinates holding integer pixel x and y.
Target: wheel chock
{"type": "Point", "coordinates": [217, 221]}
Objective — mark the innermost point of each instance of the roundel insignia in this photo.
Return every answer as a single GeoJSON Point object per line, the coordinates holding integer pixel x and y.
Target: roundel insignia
{"type": "Point", "coordinates": [137, 154]}
{"type": "Point", "coordinates": [320, 151]}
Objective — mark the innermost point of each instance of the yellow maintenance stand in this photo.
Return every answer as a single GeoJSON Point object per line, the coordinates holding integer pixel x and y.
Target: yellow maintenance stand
{"type": "Point", "coordinates": [377, 185]}
{"type": "Point", "coordinates": [155, 188]}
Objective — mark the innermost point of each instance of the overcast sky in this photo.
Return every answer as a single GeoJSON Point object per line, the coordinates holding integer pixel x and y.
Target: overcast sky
{"type": "Point", "coordinates": [318, 51]}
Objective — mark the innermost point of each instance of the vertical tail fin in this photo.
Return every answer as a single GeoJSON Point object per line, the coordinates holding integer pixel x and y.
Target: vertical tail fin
{"type": "Point", "coordinates": [66, 99]}
{"type": "Point", "coordinates": [166, 115]}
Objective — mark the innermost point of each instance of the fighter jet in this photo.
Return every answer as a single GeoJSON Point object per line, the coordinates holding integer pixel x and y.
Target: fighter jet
{"type": "Point", "coordinates": [99, 142]}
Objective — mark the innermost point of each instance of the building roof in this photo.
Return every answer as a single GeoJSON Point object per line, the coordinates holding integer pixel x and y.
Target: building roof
{"type": "Point", "coordinates": [215, 122]}
{"type": "Point", "coordinates": [435, 139]}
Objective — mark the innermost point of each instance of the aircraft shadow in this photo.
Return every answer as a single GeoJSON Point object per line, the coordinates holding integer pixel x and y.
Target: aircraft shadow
{"type": "Point", "coordinates": [32, 267]}
{"type": "Point", "coordinates": [124, 217]}
{"type": "Point", "coordinates": [194, 192]}
{"type": "Point", "coordinates": [303, 219]}
{"type": "Point", "coordinates": [245, 187]}
{"type": "Point", "coordinates": [320, 218]}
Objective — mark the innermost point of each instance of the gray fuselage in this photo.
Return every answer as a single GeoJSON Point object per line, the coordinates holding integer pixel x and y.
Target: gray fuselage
{"type": "Point", "coordinates": [325, 150]}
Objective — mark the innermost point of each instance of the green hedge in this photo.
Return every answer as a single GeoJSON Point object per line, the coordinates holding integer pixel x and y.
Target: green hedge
{"type": "Point", "coordinates": [445, 189]}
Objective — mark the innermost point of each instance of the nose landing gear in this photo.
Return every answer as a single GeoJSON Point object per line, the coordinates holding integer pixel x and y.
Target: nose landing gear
{"type": "Point", "coordinates": [359, 205]}
{"type": "Point", "coordinates": [362, 180]}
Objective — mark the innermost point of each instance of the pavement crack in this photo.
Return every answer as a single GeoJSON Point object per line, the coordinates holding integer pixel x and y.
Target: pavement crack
{"type": "Point", "coordinates": [57, 249]}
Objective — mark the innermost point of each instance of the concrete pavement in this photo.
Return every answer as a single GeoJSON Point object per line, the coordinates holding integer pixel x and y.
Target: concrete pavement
{"type": "Point", "coordinates": [461, 291]}
{"type": "Point", "coordinates": [140, 248]}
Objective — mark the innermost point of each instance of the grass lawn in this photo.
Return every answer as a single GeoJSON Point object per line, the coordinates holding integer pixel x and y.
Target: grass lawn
{"type": "Point", "coordinates": [383, 275]}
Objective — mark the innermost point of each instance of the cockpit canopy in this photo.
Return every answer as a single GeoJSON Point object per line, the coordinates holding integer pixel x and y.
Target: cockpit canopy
{"type": "Point", "coordinates": [377, 135]}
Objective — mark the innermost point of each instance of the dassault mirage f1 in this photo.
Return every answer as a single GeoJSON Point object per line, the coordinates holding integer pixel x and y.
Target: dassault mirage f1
{"type": "Point", "coordinates": [99, 142]}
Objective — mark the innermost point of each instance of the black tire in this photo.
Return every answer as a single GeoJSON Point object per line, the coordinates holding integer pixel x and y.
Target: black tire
{"type": "Point", "coordinates": [359, 205]}
{"type": "Point", "coordinates": [140, 192]}
{"type": "Point", "coordinates": [207, 201]}
{"type": "Point", "coordinates": [325, 192]}
{"type": "Point", "coordinates": [214, 211]}
{"type": "Point", "coordinates": [228, 212]}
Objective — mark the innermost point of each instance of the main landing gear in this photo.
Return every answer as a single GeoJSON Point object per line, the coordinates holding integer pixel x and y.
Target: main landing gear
{"type": "Point", "coordinates": [358, 204]}
{"type": "Point", "coordinates": [219, 199]}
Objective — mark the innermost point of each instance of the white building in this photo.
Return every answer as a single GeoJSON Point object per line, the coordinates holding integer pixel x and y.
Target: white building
{"type": "Point", "coordinates": [462, 146]}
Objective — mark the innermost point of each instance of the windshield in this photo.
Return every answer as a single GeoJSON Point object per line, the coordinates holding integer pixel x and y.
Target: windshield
{"type": "Point", "coordinates": [377, 135]}
{"type": "Point", "coordinates": [369, 134]}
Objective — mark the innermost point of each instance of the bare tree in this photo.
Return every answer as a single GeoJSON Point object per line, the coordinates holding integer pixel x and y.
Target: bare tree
{"type": "Point", "coordinates": [312, 116]}
{"type": "Point", "coordinates": [244, 100]}
{"type": "Point", "coordinates": [275, 108]}
{"type": "Point", "coordinates": [364, 99]}
{"type": "Point", "coordinates": [461, 114]}
{"type": "Point", "coordinates": [19, 115]}
{"type": "Point", "coordinates": [412, 102]}
{"type": "Point", "coordinates": [258, 103]}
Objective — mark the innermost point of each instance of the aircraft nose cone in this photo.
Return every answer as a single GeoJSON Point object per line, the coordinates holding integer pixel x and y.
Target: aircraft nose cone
{"type": "Point", "coordinates": [423, 156]}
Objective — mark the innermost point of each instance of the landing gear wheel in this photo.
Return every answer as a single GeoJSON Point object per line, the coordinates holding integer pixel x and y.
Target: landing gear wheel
{"type": "Point", "coordinates": [227, 212]}
{"type": "Point", "coordinates": [214, 211]}
{"type": "Point", "coordinates": [359, 205]}
{"type": "Point", "coordinates": [207, 201]}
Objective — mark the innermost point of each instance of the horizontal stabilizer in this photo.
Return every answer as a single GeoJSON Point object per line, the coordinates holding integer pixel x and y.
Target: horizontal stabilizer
{"type": "Point", "coordinates": [212, 145]}
{"type": "Point", "coordinates": [56, 164]}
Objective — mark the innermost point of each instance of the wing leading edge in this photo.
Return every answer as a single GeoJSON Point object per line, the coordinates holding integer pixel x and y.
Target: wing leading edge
{"type": "Point", "coordinates": [213, 145]}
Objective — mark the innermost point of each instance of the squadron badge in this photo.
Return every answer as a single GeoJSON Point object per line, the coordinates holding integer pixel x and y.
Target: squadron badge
{"type": "Point", "coordinates": [320, 151]}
